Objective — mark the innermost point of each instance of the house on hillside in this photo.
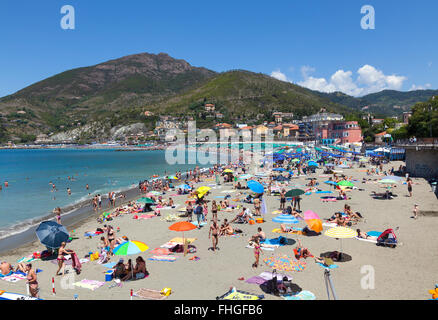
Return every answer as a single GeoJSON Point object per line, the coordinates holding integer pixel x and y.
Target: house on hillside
{"type": "Point", "coordinates": [209, 107]}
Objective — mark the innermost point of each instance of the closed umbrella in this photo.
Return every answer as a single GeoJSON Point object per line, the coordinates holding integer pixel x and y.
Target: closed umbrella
{"type": "Point", "coordinates": [51, 234]}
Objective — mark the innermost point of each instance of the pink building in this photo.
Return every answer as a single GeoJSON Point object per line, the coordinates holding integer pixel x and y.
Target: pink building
{"type": "Point", "coordinates": [340, 132]}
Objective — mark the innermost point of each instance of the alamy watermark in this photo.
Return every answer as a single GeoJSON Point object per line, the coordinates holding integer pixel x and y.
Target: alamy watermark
{"type": "Point", "coordinates": [368, 21]}
{"type": "Point", "coordinates": [368, 280]}
{"type": "Point", "coordinates": [68, 20]}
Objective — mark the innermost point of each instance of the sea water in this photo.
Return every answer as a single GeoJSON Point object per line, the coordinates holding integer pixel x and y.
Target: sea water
{"type": "Point", "coordinates": [30, 197]}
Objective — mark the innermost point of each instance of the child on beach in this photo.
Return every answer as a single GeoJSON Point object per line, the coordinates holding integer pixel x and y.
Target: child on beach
{"type": "Point", "coordinates": [415, 211]}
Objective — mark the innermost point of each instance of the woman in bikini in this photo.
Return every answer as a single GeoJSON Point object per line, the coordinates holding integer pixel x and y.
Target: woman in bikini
{"type": "Point", "coordinates": [32, 280]}
{"type": "Point", "coordinates": [61, 260]}
{"type": "Point", "coordinates": [257, 251]}
{"type": "Point", "coordinates": [111, 239]}
{"type": "Point", "coordinates": [214, 234]}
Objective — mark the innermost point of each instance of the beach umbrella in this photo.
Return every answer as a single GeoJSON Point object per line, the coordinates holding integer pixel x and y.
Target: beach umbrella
{"type": "Point", "coordinates": [341, 233]}
{"type": "Point", "coordinates": [312, 164]}
{"type": "Point", "coordinates": [202, 191]}
{"type": "Point", "coordinates": [182, 226]}
{"type": "Point", "coordinates": [172, 178]}
{"type": "Point", "coordinates": [294, 193]}
{"type": "Point", "coordinates": [129, 248]}
{"type": "Point", "coordinates": [184, 186]}
{"type": "Point", "coordinates": [309, 215]}
{"type": "Point", "coordinates": [51, 234]}
{"type": "Point", "coordinates": [285, 263]}
{"type": "Point", "coordinates": [228, 171]}
{"type": "Point", "coordinates": [146, 200]}
{"type": "Point", "coordinates": [345, 183]}
{"type": "Point", "coordinates": [245, 176]}
{"type": "Point", "coordinates": [296, 160]}
{"type": "Point", "coordinates": [255, 186]}
{"type": "Point", "coordinates": [314, 225]}
{"type": "Point", "coordinates": [286, 219]}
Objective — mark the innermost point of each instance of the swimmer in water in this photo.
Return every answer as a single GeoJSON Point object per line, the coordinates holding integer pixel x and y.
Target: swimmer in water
{"type": "Point", "coordinates": [69, 191]}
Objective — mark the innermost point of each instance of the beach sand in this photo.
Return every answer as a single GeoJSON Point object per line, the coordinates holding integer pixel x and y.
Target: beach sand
{"type": "Point", "coordinates": [406, 272]}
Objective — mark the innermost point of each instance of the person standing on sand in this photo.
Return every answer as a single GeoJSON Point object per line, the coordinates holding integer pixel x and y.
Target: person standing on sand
{"type": "Point", "coordinates": [99, 201]}
{"type": "Point", "coordinates": [214, 209]}
{"type": "Point", "coordinates": [32, 280]}
{"type": "Point", "coordinates": [109, 200]}
{"type": "Point", "coordinates": [257, 251]}
{"type": "Point", "coordinates": [409, 182]}
{"type": "Point", "coordinates": [282, 199]}
{"type": "Point", "coordinates": [214, 234]}
{"type": "Point", "coordinates": [415, 211]}
{"type": "Point", "coordinates": [57, 212]}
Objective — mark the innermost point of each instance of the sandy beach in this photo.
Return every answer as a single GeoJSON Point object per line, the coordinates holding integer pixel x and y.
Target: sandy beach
{"type": "Point", "coordinates": [406, 272]}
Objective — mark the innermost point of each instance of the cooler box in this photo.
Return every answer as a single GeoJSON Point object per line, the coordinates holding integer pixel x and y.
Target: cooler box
{"type": "Point", "coordinates": [109, 275]}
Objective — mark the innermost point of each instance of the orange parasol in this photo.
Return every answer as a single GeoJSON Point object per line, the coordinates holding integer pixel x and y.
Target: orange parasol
{"type": "Point", "coordinates": [183, 226]}
{"type": "Point", "coordinates": [315, 225]}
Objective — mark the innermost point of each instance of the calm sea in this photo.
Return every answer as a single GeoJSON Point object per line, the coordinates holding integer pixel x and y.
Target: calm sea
{"type": "Point", "coordinates": [30, 196]}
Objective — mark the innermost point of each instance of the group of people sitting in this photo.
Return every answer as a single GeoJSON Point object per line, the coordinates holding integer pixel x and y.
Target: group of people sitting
{"type": "Point", "coordinates": [126, 271]}
{"type": "Point", "coordinates": [346, 218]}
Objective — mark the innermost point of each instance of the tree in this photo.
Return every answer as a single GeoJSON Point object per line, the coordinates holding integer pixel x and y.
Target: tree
{"type": "Point", "coordinates": [424, 120]}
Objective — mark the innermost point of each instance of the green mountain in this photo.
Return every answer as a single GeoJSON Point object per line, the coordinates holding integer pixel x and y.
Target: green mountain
{"type": "Point", "coordinates": [384, 103]}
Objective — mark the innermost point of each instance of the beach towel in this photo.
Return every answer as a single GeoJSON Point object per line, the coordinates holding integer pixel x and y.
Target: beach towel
{"type": "Point", "coordinates": [89, 284]}
{"type": "Point", "coordinates": [163, 258]}
{"type": "Point", "coordinates": [329, 224]}
{"type": "Point", "coordinates": [275, 241]}
{"type": "Point", "coordinates": [27, 259]}
{"type": "Point", "coordinates": [109, 265]}
{"type": "Point", "coordinates": [161, 251]}
{"type": "Point", "coordinates": [149, 294]}
{"type": "Point", "coordinates": [366, 240]}
{"type": "Point", "coordinates": [168, 245]}
{"type": "Point", "coordinates": [194, 258]}
{"type": "Point", "coordinates": [323, 192]}
{"type": "Point", "coordinates": [14, 277]}
{"type": "Point", "coordinates": [374, 233]}
{"type": "Point", "coordinates": [267, 275]}
{"type": "Point", "coordinates": [180, 240]}
{"type": "Point", "coordinates": [145, 216]}
{"type": "Point", "coordinates": [332, 266]}
{"type": "Point", "coordinates": [92, 234]}
{"type": "Point", "coordinates": [302, 295]}
{"type": "Point", "coordinates": [277, 212]}
{"type": "Point", "coordinates": [239, 295]}
{"type": "Point", "coordinates": [256, 280]}
{"type": "Point", "coordinates": [298, 231]}
{"type": "Point", "coordinates": [261, 247]}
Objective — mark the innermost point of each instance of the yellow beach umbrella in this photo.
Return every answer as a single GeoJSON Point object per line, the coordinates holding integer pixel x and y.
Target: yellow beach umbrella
{"type": "Point", "coordinates": [341, 233]}
{"type": "Point", "coordinates": [202, 191]}
{"type": "Point", "coordinates": [228, 171]}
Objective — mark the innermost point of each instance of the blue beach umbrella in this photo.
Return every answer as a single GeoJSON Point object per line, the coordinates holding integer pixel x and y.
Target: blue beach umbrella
{"type": "Point", "coordinates": [184, 186]}
{"type": "Point", "coordinates": [255, 186]}
{"type": "Point", "coordinates": [51, 234]}
{"type": "Point", "coordinates": [312, 164]}
{"type": "Point", "coordinates": [286, 219]}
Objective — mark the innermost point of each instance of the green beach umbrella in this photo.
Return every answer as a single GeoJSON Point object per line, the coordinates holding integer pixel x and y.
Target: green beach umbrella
{"type": "Point", "coordinates": [145, 200]}
{"type": "Point", "coordinates": [294, 193]}
{"type": "Point", "coordinates": [345, 183]}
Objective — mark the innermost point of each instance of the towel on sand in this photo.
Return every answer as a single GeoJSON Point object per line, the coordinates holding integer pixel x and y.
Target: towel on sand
{"type": "Point", "coordinates": [267, 275]}
{"type": "Point", "coordinates": [294, 231]}
{"type": "Point", "coordinates": [149, 294]}
{"type": "Point", "coordinates": [302, 295]}
{"type": "Point", "coordinates": [89, 284]}
{"type": "Point", "coordinates": [366, 240]}
{"type": "Point", "coordinates": [163, 258]}
{"type": "Point", "coordinates": [161, 251]}
{"type": "Point", "coordinates": [275, 241]}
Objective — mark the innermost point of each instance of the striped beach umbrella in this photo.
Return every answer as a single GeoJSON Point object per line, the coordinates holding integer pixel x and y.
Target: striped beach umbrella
{"type": "Point", "coordinates": [129, 248]}
{"type": "Point", "coordinates": [285, 263]}
{"type": "Point", "coordinates": [341, 233]}
{"type": "Point", "coordinates": [286, 219]}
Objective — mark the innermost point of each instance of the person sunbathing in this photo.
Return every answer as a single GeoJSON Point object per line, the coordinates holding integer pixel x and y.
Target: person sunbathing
{"type": "Point", "coordinates": [242, 216]}
{"type": "Point", "coordinates": [301, 252]}
{"type": "Point", "coordinates": [364, 235]}
{"type": "Point", "coordinates": [5, 269]}
{"type": "Point", "coordinates": [286, 229]}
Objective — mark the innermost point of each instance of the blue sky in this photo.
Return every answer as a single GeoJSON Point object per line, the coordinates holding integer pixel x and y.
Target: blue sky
{"type": "Point", "coordinates": [317, 44]}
